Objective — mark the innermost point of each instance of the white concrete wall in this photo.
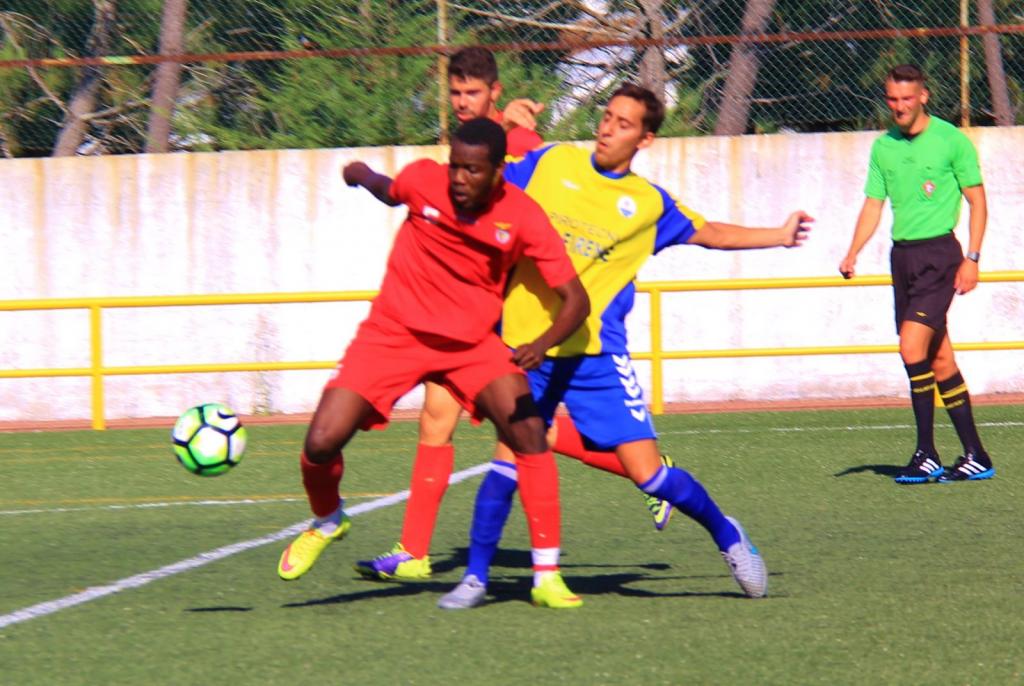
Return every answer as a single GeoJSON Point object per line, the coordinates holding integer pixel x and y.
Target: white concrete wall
{"type": "Point", "coordinates": [284, 221]}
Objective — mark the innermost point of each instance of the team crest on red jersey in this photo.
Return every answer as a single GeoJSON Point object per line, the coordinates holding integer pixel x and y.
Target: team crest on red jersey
{"type": "Point", "coordinates": [431, 213]}
{"type": "Point", "coordinates": [502, 233]}
{"type": "Point", "coordinates": [928, 187]}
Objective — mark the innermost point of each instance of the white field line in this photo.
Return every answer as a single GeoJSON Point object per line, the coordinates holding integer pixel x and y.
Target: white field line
{"type": "Point", "coordinates": [151, 506]}
{"type": "Point", "coordinates": [404, 494]}
{"type": "Point", "coordinates": [95, 592]}
{"type": "Point", "coordinates": [51, 606]}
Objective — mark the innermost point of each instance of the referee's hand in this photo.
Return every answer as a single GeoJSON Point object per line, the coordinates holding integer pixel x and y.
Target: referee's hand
{"type": "Point", "coordinates": [966, 277]}
{"type": "Point", "coordinates": [846, 267]}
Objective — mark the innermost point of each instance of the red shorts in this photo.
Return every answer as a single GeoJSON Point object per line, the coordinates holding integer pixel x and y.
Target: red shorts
{"type": "Point", "coordinates": [385, 361]}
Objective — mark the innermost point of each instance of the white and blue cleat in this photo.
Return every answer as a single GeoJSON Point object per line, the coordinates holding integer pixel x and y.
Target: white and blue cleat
{"type": "Point", "coordinates": [746, 564]}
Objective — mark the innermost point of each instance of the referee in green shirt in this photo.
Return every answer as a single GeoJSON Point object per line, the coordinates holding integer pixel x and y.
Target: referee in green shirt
{"type": "Point", "coordinates": [924, 165]}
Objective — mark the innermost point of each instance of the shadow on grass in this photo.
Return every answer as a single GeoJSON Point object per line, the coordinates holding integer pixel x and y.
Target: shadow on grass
{"type": "Point", "coordinates": [514, 585]}
{"type": "Point", "coordinates": [220, 608]}
{"type": "Point", "coordinates": [887, 470]}
{"type": "Point", "coordinates": [521, 559]}
{"type": "Point", "coordinates": [377, 590]}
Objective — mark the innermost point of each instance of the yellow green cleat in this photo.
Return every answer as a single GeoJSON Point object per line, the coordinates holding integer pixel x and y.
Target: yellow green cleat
{"type": "Point", "coordinates": [660, 509]}
{"type": "Point", "coordinates": [299, 556]}
{"type": "Point", "coordinates": [552, 592]}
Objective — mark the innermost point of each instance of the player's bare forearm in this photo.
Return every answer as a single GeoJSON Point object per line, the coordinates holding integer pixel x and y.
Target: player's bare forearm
{"type": "Point", "coordinates": [723, 236]}
{"type": "Point", "coordinates": [867, 223]}
{"type": "Point", "coordinates": [379, 185]}
{"type": "Point", "coordinates": [574, 311]}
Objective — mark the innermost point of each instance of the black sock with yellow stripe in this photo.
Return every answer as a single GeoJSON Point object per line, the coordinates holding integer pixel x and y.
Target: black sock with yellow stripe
{"type": "Point", "coordinates": [958, 404]}
{"type": "Point", "coordinates": [922, 399]}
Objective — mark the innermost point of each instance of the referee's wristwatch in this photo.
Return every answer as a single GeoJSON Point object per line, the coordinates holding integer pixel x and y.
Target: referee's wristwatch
{"type": "Point", "coordinates": [973, 256]}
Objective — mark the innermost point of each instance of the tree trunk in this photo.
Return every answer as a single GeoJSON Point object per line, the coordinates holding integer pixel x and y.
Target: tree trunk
{"type": "Point", "coordinates": [734, 109]}
{"type": "Point", "coordinates": [83, 100]}
{"type": "Point", "coordinates": [994, 67]}
{"type": "Point", "coordinates": [652, 65]}
{"type": "Point", "coordinates": [168, 76]}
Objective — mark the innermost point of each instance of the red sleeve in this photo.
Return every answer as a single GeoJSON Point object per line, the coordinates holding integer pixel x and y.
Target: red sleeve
{"type": "Point", "coordinates": [543, 244]}
{"type": "Point", "coordinates": [410, 175]}
{"type": "Point", "coordinates": [521, 141]}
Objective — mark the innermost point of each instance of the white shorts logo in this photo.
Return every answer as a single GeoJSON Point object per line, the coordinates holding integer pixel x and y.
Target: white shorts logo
{"type": "Point", "coordinates": [627, 377]}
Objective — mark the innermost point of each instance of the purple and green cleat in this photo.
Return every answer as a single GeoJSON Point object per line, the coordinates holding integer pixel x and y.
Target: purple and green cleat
{"type": "Point", "coordinates": [396, 565]}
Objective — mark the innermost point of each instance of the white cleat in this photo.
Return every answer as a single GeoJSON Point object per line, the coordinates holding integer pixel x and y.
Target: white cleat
{"type": "Point", "coordinates": [469, 593]}
{"type": "Point", "coordinates": [746, 564]}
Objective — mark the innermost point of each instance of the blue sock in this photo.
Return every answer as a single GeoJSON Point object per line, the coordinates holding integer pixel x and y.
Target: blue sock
{"type": "Point", "coordinates": [687, 495]}
{"type": "Point", "coordinates": [493, 504]}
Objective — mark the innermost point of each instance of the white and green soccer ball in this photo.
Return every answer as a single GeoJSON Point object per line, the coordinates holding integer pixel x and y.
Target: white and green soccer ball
{"type": "Point", "coordinates": [208, 439]}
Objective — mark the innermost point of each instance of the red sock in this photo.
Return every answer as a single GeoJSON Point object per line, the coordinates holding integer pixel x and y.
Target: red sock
{"type": "Point", "coordinates": [429, 481]}
{"type": "Point", "coordinates": [569, 442]}
{"type": "Point", "coordinates": [538, 491]}
{"type": "Point", "coordinates": [321, 482]}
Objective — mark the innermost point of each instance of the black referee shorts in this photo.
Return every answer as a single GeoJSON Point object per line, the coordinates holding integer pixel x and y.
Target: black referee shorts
{"type": "Point", "coordinates": [923, 273]}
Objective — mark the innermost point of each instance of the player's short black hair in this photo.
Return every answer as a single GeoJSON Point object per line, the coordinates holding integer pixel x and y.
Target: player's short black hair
{"type": "Point", "coordinates": [474, 63]}
{"type": "Point", "coordinates": [906, 72]}
{"type": "Point", "coordinates": [654, 108]}
{"type": "Point", "coordinates": [483, 131]}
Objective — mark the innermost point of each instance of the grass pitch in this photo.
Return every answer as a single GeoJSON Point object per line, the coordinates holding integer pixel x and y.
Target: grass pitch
{"type": "Point", "coordinates": [870, 582]}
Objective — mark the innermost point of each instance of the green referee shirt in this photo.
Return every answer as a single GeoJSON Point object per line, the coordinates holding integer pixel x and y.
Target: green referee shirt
{"type": "Point", "coordinates": [923, 176]}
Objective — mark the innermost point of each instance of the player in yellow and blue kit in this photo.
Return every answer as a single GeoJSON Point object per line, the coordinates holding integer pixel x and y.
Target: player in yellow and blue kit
{"type": "Point", "coordinates": [611, 220]}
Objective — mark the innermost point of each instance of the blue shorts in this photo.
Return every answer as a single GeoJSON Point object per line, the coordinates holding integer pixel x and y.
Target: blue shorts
{"type": "Point", "coordinates": [601, 393]}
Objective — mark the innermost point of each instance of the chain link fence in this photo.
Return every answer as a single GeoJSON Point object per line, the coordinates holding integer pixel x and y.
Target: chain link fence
{"type": "Point", "coordinates": [99, 76]}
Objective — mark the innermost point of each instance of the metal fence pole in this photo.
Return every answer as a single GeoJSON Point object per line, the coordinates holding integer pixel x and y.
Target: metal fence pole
{"type": "Point", "coordinates": [442, 72]}
{"type": "Point", "coordinates": [965, 66]}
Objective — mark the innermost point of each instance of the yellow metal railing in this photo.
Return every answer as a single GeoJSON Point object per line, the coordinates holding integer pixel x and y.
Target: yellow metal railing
{"type": "Point", "coordinates": [657, 356]}
{"type": "Point", "coordinates": [96, 371]}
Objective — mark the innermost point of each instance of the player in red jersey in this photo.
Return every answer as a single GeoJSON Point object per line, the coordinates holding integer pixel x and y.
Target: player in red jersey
{"type": "Point", "coordinates": [434, 319]}
{"type": "Point", "coordinates": [474, 90]}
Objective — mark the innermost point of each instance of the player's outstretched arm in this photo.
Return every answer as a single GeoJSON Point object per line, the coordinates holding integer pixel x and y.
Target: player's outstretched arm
{"type": "Point", "coordinates": [359, 174]}
{"type": "Point", "coordinates": [867, 222]}
{"type": "Point", "coordinates": [574, 311]}
{"type": "Point", "coordinates": [723, 236]}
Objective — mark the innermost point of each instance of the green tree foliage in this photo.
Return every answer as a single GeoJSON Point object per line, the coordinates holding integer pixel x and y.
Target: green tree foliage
{"type": "Point", "coordinates": [836, 85]}
{"type": "Point", "coordinates": [395, 99]}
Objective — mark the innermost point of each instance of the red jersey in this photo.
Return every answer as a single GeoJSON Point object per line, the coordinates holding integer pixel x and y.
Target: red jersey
{"type": "Point", "coordinates": [447, 271]}
{"type": "Point", "coordinates": [520, 140]}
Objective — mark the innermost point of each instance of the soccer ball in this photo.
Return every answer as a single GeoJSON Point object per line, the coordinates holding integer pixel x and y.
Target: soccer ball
{"type": "Point", "coordinates": [208, 439]}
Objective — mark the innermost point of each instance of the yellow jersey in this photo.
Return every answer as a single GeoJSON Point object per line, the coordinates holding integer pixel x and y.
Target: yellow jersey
{"type": "Point", "coordinates": [610, 224]}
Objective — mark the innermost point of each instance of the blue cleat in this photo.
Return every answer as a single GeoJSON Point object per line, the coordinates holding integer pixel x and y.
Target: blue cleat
{"type": "Point", "coordinates": [922, 468]}
{"type": "Point", "coordinates": [969, 467]}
